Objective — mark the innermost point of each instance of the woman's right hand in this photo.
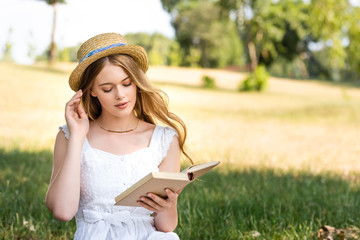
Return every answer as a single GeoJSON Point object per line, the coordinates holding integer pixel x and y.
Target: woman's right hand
{"type": "Point", "coordinates": [75, 116]}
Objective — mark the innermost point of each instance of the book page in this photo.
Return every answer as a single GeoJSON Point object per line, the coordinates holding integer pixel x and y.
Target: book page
{"type": "Point", "coordinates": [200, 169]}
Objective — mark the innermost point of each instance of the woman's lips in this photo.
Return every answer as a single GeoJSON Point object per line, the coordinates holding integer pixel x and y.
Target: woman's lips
{"type": "Point", "coordinates": [122, 105]}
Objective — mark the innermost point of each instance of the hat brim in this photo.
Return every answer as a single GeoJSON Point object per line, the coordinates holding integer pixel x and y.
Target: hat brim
{"type": "Point", "coordinates": [138, 53]}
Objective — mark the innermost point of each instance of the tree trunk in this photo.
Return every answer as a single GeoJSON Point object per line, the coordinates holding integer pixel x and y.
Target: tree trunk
{"type": "Point", "coordinates": [302, 66]}
{"type": "Point", "coordinates": [52, 56]}
{"type": "Point", "coordinates": [252, 54]}
{"type": "Point", "coordinates": [203, 59]}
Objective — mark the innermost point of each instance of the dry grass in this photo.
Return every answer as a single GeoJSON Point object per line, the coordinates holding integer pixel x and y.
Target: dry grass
{"type": "Point", "coordinates": [301, 125]}
{"type": "Point", "coordinates": [32, 106]}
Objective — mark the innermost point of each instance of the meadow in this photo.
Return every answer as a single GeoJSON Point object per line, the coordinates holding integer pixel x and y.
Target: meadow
{"type": "Point", "coordinates": [289, 156]}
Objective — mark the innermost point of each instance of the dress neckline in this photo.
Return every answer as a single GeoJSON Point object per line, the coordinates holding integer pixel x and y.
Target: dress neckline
{"type": "Point", "coordinates": [126, 154]}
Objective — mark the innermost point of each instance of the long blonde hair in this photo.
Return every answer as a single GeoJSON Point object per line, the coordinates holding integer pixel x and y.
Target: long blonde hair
{"type": "Point", "coordinates": [151, 103]}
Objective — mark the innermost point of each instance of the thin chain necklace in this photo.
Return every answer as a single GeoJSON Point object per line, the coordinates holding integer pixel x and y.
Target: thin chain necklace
{"type": "Point", "coordinates": [125, 131]}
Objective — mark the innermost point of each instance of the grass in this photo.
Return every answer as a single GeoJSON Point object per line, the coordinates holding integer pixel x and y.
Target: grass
{"type": "Point", "coordinates": [294, 209]}
{"type": "Point", "coordinates": [289, 157]}
{"type": "Point", "coordinates": [278, 205]}
{"type": "Point", "coordinates": [24, 178]}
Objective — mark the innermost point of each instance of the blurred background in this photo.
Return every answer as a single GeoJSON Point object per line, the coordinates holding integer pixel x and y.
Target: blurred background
{"type": "Point", "coordinates": [300, 39]}
{"type": "Point", "coordinates": [269, 88]}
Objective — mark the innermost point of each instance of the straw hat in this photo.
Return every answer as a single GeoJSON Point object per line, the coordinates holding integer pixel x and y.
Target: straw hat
{"type": "Point", "coordinates": [104, 45]}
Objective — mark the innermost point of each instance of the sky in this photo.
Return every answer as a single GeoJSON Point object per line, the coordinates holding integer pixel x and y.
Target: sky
{"type": "Point", "coordinates": [77, 20]}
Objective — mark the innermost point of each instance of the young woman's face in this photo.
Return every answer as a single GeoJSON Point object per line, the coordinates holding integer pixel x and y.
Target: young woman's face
{"type": "Point", "coordinates": [115, 91]}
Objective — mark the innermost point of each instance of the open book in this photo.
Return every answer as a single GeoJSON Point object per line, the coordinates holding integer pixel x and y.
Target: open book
{"type": "Point", "coordinates": [156, 182]}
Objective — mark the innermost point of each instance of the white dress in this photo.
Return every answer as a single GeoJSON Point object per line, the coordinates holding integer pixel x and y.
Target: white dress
{"type": "Point", "coordinates": [105, 175]}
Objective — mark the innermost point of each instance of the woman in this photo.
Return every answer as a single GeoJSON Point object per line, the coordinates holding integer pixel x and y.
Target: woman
{"type": "Point", "coordinates": [112, 139]}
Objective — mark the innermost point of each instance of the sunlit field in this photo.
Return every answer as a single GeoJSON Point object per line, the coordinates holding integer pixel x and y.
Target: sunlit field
{"type": "Point", "coordinates": [289, 156]}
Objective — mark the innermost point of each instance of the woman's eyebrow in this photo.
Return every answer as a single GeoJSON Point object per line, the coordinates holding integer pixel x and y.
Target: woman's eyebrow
{"type": "Point", "coordinates": [125, 79]}
{"type": "Point", "coordinates": [102, 84]}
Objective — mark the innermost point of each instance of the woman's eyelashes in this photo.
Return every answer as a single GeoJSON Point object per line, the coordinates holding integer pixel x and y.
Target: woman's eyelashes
{"type": "Point", "coordinates": [107, 90]}
{"type": "Point", "coordinates": [125, 84]}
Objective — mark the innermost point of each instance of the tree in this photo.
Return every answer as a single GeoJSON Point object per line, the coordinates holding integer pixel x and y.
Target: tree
{"type": "Point", "coordinates": [286, 28]}
{"type": "Point", "coordinates": [329, 25]}
{"type": "Point", "coordinates": [7, 48]}
{"type": "Point", "coordinates": [52, 52]}
{"type": "Point", "coordinates": [31, 46]}
{"type": "Point", "coordinates": [268, 28]}
{"type": "Point", "coordinates": [275, 30]}
{"type": "Point", "coordinates": [205, 38]}
{"type": "Point", "coordinates": [353, 47]}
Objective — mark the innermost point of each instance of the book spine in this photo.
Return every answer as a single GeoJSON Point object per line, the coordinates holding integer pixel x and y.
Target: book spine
{"type": "Point", "coordinates": [191, 176]}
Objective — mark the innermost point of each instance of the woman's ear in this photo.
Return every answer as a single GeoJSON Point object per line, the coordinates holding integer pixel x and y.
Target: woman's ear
{"type": "Point", "coordinates": [92, 93]}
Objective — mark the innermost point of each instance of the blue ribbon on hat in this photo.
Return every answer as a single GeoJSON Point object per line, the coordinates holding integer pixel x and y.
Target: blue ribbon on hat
{"type": "Point", "coordinates": [101, 49]}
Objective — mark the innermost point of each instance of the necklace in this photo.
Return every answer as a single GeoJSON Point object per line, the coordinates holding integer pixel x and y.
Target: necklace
{"type": "Point", "coordinates": [125, 131]}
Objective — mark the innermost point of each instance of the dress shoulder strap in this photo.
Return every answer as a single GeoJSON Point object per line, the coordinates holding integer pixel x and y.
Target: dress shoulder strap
{"type": "Point", "coordinates": [65, 129]}
{"type": "Point", "coordinates": [163, 137]}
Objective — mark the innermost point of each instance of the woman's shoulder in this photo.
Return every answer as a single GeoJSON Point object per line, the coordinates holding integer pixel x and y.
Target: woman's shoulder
{"type": "Point", "coordinates": [164, 135]}
{"type": "Point", "coordinates": [156, 128]}
{"type": "Point", "coordinates": [160, 130]}
{"type": "Point", "coordinates": [158, 133]}
{"type": "Point", "coordinates": [64, 129]}
{"type": "Point", "coordinates": [168, 131]}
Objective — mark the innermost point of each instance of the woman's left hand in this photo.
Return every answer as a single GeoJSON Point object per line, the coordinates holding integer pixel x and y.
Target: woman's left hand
{"type": "Point", "coordinates": [158, 204]}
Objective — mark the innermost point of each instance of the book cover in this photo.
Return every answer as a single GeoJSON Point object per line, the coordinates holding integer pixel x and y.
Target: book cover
{"type": "Point", "coordinates": [156, 182]}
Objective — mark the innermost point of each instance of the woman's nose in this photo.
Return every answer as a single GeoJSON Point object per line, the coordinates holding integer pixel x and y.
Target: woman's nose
{"type": "Point", "coordinates": [119, 94]}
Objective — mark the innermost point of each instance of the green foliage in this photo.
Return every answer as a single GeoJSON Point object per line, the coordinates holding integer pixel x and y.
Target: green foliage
{"type": "Point", "coordinates": [45, 56]}
{"type": "Point", "coordinates": [68, 54]}
{"type": "Point", "coordinates": [8, 47]}
{"type": "Point", "coordinates": [31, 46]}
{"type": "Point", "coordinates": [142, 39]}
{"type": "Point", "coordinates": [256, 81]}
{"type": "Point", "coordinates": [202, 45]}
{"type": "Point", "coordinates": [208, 82]}
{"type": "Point", "coordinates": [353, 49]}
{"type": "Point", "coordinates": [174, 55]}
{"type": "Point", "coordinates": [191, 57]}
{"type": "Point", "coordinates": [297, 68]}
{"type": "Point", "coordinates": [161, 50]}
{"type": "Point", "coordinates": [52, 2]}
{"type": "Point", "coordinates": [285, 28]}
{"type": "Point", "coordinates": [64, 55]}
{"type": "Point", "coordinates": [232, 49]}
{"type": "Point", "coordinates": [271, 29]}
{"type": "Point", "coordinates": [330, 17]}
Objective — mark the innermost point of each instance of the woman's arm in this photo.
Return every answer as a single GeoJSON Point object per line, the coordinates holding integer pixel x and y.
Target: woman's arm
{"type": "Point", "coordinates": [63, 193]}
{"type": "Point", "coordinates": [165, 210]}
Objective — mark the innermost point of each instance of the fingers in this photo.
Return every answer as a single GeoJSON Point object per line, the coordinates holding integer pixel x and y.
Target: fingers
{"type": "Point", "coordinates": [71, 108]}
{"type": "Point", "coordinates": [75, 98]}
{"type": "Point", "coordinates": [74, 107]}
{"type": "Point", "coordinates": [172, 196]}
{"type": "Point", "coordinates": [81, 111]}
{"type": "Point", "coordinates": [78, 94]}
{"type": "Point", "coordinates": [157, 204]}
{"type": "Point", "coordinates": [149, 204]}
{"type": "Point", "coordinates": [153, 201]}
{"type": "Point", "coordinates": [158, 200]}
